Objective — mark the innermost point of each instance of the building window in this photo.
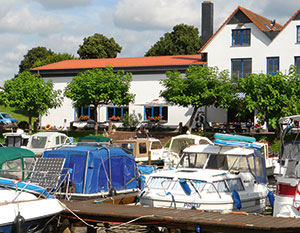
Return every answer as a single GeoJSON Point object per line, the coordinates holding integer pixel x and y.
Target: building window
{"type": "Point", "coordinates": [156, 111]}
{"type": "Point", "coordinates": [240, 68]}
{"type": "Point", "coordinates": [116, 113]}
{"type": "Point", "coordinates": [297, 64]}
{"type": "Point", "coordinates": [272, 65]}
{"type": "Point", "coordinates": [241, 37]}
{"type": "Point", "coordinates": [85, 111]}
{"type": "Point", "coordinates": [298, 35]}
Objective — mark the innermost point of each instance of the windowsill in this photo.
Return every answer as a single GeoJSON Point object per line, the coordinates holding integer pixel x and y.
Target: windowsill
{"type": "Point", "coordinates": [239, 46]}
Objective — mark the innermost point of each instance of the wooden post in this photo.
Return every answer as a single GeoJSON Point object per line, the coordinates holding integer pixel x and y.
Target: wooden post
{"type": "Point", "coordinates": [149, 157]}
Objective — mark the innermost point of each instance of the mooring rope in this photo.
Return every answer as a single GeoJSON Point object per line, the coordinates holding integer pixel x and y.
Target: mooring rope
{"type": "Point", "coordinates": [102, 228]}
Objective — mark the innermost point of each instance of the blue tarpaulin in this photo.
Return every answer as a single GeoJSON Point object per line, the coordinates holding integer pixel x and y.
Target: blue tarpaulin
{"type": "Point", "coordinates": [97, 169]}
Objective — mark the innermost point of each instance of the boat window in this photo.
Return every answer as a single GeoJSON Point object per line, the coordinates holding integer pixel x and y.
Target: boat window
{"type": "Point", "coordinates": [38, 142]}
{"type": "Point", "coordinates": [14, 141]}
{"type": "Point", "coordinates": [179, 144]}
{"type": "Point", "coordinates": [217, 162]}
{"type": "Point", "coordinates": [28, 166]}
{"type": "Point", "coordinates": [156, 145]}
{"type": "Point", "coordinates": [159, 182]}
{"type": "Point", "coordinates": [236, 184]}
{"type": "Point", "coordinates": [219, 186]}
{"type": "Point", "coordinates": [259, 166]}
{"type": "Point", "coordinates": [193, 160]}
{"type": "Point", "coordinates": [143, 148]}
{"type": "Point", "coordinates": [193, 184]}
{"type": "Point", "coordinates": [127, 147]}
{"type": "Point", "coordinates": [242, 165]}
{"type": "Point", "coordinates": [12, 169]}
{"type": "Point", "coordinates": [57, 140]}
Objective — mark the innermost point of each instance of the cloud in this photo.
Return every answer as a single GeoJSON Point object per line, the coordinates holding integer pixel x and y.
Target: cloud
{"type": "Point", "coordinates": [156, 14]}
{"type": "Point", "coordinates": [63, 4]}
{"type": "Point", "coordinates": [23, 21]}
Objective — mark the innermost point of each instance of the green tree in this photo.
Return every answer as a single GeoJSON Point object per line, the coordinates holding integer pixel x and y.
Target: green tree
{"type": "Point", "coordinates": [271, 96]}
{"type": "Point", "coordinates": [32, 55]}
{"type": "Point", "coordinates": [98, 46]}
{"type": "Point", "coordinates": [30, 94]}
{"type": "Point", "coordinates": [183, 40]}
{"type": "Point", "coordinates": [100, 87]}
{"type": "Point", "coordinates": [55, 57]}
{"type": "Point", "coordinates": [200, 86]}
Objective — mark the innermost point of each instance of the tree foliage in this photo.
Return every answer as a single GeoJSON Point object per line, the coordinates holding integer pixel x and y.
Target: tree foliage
{"type": "Point", "coordinates": [100, 87]}
{"type": "Point", "coordinates": [33, 55]}
{"type": "Point", "coordinates": [98, 46]}
{"type": "Point", "coordinates": [271, 96]}
{"type": "Point", "coordinates": [183, 40]}
{"type": "Point", "coordinates": [30, 94]}
{"type": "Point", "coordinates": [55, 57]}
{"type": "Point", "coordinates": [200, 86]}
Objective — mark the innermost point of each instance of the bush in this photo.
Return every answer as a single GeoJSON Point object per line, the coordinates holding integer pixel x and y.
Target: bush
{"type": "Point", "coordinates": [23, 125]}
{"type": "Point", "coordinates": [131, 120]}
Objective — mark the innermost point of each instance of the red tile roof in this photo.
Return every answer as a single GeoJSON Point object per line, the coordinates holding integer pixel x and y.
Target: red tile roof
{"type": "Point", "coordinates": [125, 62]}
{"type": "Point", "coordinates": [261, 22]}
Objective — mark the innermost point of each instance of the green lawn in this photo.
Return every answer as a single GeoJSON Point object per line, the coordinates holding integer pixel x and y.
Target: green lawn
{"type": "Point", "coordinates": [17, 115]}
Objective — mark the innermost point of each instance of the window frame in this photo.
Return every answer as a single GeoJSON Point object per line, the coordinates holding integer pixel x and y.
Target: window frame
{"type": "Point", "coordinates": [242, 73]}
{"type": "Point", "coordinates": [161, 112]}
{"type": "Point", "coordinates": [298, 34]}
{"type": "Point", "coordinates": [273, 66]}
{"type": "Point", "coordinates": [295, 63]}
{"type": "Point", "coordinates": [238, 40]}
{"type": "Point", "coordinates": [80, 111]}
{"type": "Point", "coordinates": [123, 110]}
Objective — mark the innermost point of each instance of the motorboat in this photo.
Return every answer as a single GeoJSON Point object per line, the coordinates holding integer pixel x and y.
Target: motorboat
{"type": "Point", "coordinates": [145, 150]}
{"type": "Point", "coordinates": [178, 143]}
{"type": "Point", "coordinates": [26, 207]}
{"type": "Point", "coordinates": [95, 171]}
{"type": "Point", "coordinates": [15, 162]}
{"type": "Point", "coordinates": [287, 200]}
{"type": "Point", "coordinates": [16, 139]}
{"type": "Point", "coordinates": [226, 176]}
{"type": "Point", "coordinates": [42, 141]}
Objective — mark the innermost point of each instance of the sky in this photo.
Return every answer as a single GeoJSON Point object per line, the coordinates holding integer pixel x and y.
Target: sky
{"type": "Point", "coordinates": [61, 25]}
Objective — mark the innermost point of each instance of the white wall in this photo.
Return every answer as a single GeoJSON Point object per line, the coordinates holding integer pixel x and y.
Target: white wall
{"type": "Point", "coordinates": [146, 89]}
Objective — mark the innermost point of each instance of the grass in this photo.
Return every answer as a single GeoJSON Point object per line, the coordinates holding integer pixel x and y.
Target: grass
{"type": "Point", "coordinates": [16, 114]}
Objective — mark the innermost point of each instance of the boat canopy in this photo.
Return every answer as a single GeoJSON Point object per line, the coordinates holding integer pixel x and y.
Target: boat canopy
{"type": "Point", "coordinates": [94, 139]}
{"type": "Point", "coordinates": [97, 169]}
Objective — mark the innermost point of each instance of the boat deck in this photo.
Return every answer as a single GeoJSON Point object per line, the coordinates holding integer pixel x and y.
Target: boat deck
{"type": "Point", "coordinates": [99, 212]}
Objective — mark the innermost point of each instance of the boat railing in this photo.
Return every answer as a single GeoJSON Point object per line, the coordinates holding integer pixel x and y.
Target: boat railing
{"type": "Point", "coordinates": [186, 188]}
{"type": "Point", "coordinates": [41, 183]}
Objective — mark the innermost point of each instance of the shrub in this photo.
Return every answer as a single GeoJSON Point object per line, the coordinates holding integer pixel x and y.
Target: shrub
{"type": "Point", "coordinates": [131, 120]}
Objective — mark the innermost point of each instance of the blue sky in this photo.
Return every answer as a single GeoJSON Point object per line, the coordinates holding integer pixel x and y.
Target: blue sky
{"type": "Point", "coordinates": [61, 25]}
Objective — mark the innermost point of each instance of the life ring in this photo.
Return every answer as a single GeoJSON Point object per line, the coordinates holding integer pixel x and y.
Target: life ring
{"type": "Point", "coordinates": [48, 127]}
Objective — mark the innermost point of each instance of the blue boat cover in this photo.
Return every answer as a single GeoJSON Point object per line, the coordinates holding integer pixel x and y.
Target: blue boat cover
{"type": "Point", "coordinates": [234, 137]}
{"type": "Point", "coordinates": [97, 169]}
{"type": "Point", "coordinates": [235, 143]}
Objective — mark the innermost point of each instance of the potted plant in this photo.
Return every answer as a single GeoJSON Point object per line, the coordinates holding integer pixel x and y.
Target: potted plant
{"type": "Point", "coordinates": [131, 120]}
{"type": "Point", "coordinates": [155, 118]}
{"type": "Point", "coordinates": [115, 118]}
{"type": "Point", "coordinates": [83, 118]}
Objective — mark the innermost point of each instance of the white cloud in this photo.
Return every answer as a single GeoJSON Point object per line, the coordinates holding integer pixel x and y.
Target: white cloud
{"type": "Point", "coordinates": [63, 4]}
{"type": "Point", "coordinates": [156, 14]}
{"type": "Point", "coordinates": [24, 21]}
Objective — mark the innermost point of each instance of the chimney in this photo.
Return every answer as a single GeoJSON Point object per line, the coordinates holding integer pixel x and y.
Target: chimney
{"type": "Point", "coordinates": [207, 25]}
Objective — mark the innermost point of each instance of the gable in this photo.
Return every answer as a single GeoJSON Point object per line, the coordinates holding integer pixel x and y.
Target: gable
{"type": "Point", "coordinates": [239, 17]}
{"type": "Point", "coordinates": [297, 17]}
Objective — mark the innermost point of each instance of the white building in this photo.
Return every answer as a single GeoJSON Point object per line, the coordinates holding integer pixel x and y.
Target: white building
{"type": "Point", "coordinates": [146, 75]}
{"type": "Point", "coordinates": [250, 43]}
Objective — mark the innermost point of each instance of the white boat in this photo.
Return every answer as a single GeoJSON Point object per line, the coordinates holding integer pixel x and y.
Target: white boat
{"type": "Point", "coordinates": [26, 207]}
{"type": "Point", "coordinates": [42, 141]}
{"type": "Point", "coordinates": [178, 143]}
{"type": "Point", "coordinates": [213, 178]}
{"type": "Point", "coordinates": [287, 200]}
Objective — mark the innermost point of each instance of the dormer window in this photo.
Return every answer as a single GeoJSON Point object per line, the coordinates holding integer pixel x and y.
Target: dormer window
{"type": "Point", "coordinates": [241, 37]}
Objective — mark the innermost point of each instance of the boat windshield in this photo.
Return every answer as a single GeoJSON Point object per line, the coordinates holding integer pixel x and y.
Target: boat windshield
{"type": "Point", "coordinates": [214, 161]}
{"type": "Point", "coordinates": [38, 142]}
{"type": "Point", "coordinates": [181, 143]}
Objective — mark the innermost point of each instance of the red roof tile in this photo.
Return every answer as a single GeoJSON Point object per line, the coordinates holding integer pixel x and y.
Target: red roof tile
{"type": "Point", "coordinates": [261, 22]}
{"type": "Point", "coordinates": [125, 62]}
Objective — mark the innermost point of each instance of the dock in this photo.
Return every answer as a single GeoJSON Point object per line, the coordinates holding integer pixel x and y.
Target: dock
{"type": "Point", "coordinates": [94, 212]}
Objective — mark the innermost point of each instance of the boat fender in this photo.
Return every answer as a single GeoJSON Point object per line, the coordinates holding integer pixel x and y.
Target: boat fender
{"type": "Point", "coordinates": [185, 186]}
{"type": "Point", "coordinates": [198, 229]}
{"type": "Point", "coordinates": [236, 198]}
{"type": "Point", "coordinates": [19, 225]}
{"type": "Point", "coordinates": [271, 198]}
{"type": "Point", "coordinates": [112, 192]}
